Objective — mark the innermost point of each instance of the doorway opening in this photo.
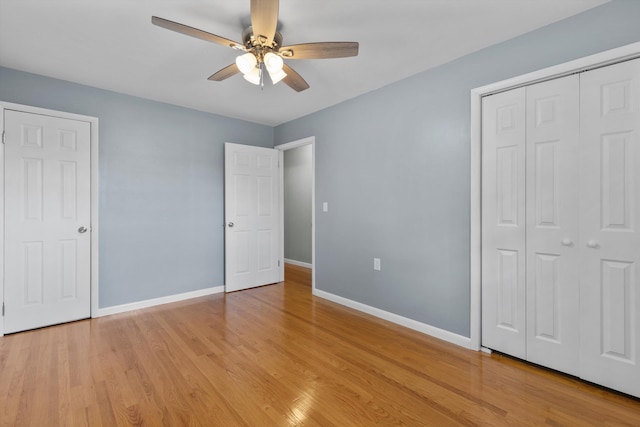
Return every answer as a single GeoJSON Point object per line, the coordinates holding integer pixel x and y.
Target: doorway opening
{"type": "Point", "coordinates": [297, 201]}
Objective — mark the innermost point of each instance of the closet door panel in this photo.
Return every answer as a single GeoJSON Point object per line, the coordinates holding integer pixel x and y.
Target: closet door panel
{"type": "Point", "coordinates": [610, 221]}
{"type": "Point", "coordinates": [503, 223]}
{"type": "Point", "coordinates": [552, 209]}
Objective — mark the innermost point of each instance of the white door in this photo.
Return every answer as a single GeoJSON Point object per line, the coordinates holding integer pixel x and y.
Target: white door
{"type": "Point", "coordinates": [252, 216]}
{"type": "Point", "coordinates": [610, 222]}
{"type": "Point", "coordinates": [47, 209]}
{"type": "Point", "coordinates": [503, 222]}
{"type": "Point", "coordinates": [530, 303]}
{"type": "Point", "coordinates": [552, 237]}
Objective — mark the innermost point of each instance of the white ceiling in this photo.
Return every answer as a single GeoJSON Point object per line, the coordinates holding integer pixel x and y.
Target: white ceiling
{"type": "Point", "coordinates": [111, 44]}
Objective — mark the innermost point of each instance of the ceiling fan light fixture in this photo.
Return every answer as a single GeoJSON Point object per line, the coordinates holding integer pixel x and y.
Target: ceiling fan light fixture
{"type": "Point", "coordinates": [247, 63]}
{"type": "Point", "coordinates": [273, 62]}
{"type": "Point", "coordinates": [276, 76]}
{"type": "Point", "coordinates": [263, 48]}
{"type": "Point", "coordinates": [253, 76]}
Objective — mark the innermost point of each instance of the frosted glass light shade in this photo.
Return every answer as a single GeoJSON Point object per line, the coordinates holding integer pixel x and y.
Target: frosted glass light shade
{"type": "Point", "coordinates": [253, 76]}
{"type": "Point", "coordinates": [273, 62]}
{"type": "Point", "coordinates": [246, 63]}
{"type": "Point", "coordinates": [276, 76]}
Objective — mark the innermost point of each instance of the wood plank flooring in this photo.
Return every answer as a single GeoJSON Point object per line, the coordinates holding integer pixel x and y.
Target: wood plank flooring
{"type": "Point", "coordinates": [277, 356]}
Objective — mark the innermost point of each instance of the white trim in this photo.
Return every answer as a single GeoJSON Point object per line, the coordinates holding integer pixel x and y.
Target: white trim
{"type": "Point", "coordinates": [397, 319]}
{"type": "Point", "coordinates": [298, 263]}
{"type": "Point", "coordinates": [95, 225]}
{"type": "Point", "coordinates": [475, 267]}
{"type": "Point", "coordinates": [601, 59]}
{"type": "Point", "coordinates": [2, 107]}
{"type": "Point", "coordinates": [281, 207]}
{"type": "Point", "coordinates": [288, 146]}
{"type": "Point", "coordinates": [93, 122]}
{"type": "Point", "coordinates": [158, 301]}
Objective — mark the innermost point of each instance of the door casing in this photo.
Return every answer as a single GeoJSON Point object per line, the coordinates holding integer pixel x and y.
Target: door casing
{"type": "Point", "coordinates": [602, 59]}
{"type": "Point", "coordinates": [93, 121]}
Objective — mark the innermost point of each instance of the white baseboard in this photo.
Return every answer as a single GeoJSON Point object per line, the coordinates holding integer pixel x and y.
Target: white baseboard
{"type": "Point", "coordinates": [157, 301]}
{"type": "Point", "coordinates": [397, 319]}
{"type": "Point", "coordinates": [298, 263]}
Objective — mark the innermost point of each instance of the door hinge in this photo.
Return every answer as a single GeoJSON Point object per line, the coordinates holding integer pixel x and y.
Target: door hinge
{"type": "Point", "coordinates": [3, 309]}
{"type": "Point", "coordinates": [3, 136]}
{"type": "Point", "coordinates": [278, 263]}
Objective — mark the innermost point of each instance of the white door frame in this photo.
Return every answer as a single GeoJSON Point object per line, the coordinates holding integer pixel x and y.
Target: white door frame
{"type": "Point", "coordinates": [282, 148]}
{"type": "Point", "coordinates": [93, 122]}
{"type": "Point", "coordinates": [601, 59]}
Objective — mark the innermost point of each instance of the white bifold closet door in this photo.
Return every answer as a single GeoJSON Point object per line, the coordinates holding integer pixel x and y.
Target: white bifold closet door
{"type": "Point", "coordinates": [553, 233]}
{"type": "Point", "coordinates": [560, 219]}
{"type": "Point", "coordinates": [530, 176]}
{"type": "Point", "coordinates": [503, 223]}
{"type": "Point", "coordinates": [610, 222]}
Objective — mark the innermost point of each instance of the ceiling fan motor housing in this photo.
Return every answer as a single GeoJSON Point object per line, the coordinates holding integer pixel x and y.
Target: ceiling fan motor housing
{"type": "Point", "coordinates": [250, 41]}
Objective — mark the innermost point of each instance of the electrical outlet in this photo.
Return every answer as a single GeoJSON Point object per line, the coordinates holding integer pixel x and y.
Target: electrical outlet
{"type": "Point", "coordinates": [376, 264]}
{"type": "Point", "coordinates": [325, 206]}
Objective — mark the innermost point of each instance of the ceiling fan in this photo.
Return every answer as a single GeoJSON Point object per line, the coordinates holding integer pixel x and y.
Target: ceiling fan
{"type": "Point", "coordinates": [262, 44]}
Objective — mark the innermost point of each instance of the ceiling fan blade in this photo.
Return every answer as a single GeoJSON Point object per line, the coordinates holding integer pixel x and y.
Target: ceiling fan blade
{"type": "Point", "coordinates": [264, 20]}
{"type": "Point", "coordinates": [225, 73]}
{"type": "Point", "coordinates": [294, 80]}
{"type": "Point", "coordinates": [320, 50]}
{"type": "Point", "coordinates": [194, 32]}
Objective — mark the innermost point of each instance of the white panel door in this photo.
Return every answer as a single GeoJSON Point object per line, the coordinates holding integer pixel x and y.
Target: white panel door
{"type": "Point", "coordinates": [47, 214]}
{"type": "Point", "coordinates": [503, 222]}
{"type": "Point", "coordinates": [610, 223]}
{"type": "Point", "coordinates": [553, 325]}
{"type": "Point", "coordinates": [252, 216]}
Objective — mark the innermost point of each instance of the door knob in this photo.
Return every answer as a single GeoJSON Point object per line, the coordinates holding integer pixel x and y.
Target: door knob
{"type": "Point", "coordinates": [82, 230]}
{"type": "Point", "coordinates": [567, 242]}
{"type": "Point", "coordinates": [230, 224]}
{"type": "Point", "coordinates": [592, 244]}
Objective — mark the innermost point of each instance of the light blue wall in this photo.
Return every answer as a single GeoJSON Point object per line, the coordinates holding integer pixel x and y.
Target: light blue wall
{"type": "Point", "coordinates": [297, 203]}
{"type": "Point", "coordinates": [394, 166]}
{"type": "Point", "coordinates": [161, 185]}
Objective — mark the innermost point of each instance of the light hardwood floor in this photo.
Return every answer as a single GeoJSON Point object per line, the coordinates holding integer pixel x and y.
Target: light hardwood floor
{"type": "Point", "coordinates": [276, 356]}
